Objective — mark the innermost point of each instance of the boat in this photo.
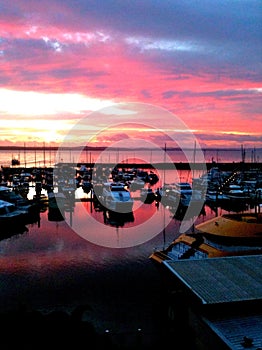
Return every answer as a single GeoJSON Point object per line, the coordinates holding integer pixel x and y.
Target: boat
{"type": "Point", "coordinates": [15, 161]}
{"type": "Point", "coordinates": [225, 235]}
{"type": "Point", "coordinates": [168, 196]}
{"type": "Point", "coordinates": [10, 215]}
{"type": "Point", "coordinates": [233, 227]}
{"type": "Point", "coordinates": [216, 196]}
{"type": "Point", "coordinates": [7, 194]}
{"type": "Point", "coordinates": [24, 204]}
{"type": "Point", "coordinates": [195, 246]}
{"type": "Point", "coordinates": [186, 246]}
{"type": "Point", "coordinates": [116, 197]}
{"type": "Point", "coordinates": [235, 192]}
{"type": "Point", "coordinates": [178, 192]}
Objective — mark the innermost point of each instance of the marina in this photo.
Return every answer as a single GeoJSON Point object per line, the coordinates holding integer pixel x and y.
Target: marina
{"type": "Point", "coordinates": [130, 175]}
{"type": "Point", "coordinates": [78, 249]}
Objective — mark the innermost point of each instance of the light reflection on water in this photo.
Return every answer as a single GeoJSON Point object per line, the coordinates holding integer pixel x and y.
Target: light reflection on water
{"type": "Point", "coordinates": [51, 266]}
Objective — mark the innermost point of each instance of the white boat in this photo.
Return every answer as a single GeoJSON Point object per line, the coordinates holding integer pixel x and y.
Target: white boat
{"type": "Point", "coordinates": [235, 192]}
{"type": "Point", "coordinates": [7, 194]}
{"type": "Point", "coordinates": [10, 215]}
{"type": "Point", "coordinates": [24, 204]}
{"type": "Point", "coordinates": [182, 191]}
{"type": "Point", "coordinates": [169, 196]}
{"type": "Point", "coordinates": [115, 196]}
{"type": "Point", "coordinates": [216, 196]}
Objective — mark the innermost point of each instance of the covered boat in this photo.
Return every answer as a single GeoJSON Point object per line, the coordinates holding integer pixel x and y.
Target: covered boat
{"type": "Point", "coordinates": [233, 227]}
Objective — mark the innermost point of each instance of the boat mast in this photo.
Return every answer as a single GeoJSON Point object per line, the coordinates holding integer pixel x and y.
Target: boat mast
{"type": "Point", "coordinates": [25, 154]}
{"type": "Point", "coordinates": [194, 161]}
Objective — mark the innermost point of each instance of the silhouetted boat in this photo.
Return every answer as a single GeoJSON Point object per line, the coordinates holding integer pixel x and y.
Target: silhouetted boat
{"type": "Point", "coordinates": [15, 161]}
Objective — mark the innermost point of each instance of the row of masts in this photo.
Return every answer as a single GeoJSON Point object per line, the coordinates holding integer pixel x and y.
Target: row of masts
{"type": "Point", "coordinates": [50, 155]}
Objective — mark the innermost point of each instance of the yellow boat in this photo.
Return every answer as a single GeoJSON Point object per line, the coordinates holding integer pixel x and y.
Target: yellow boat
{"type": "Point", "coordinates": [189, 246]}
{"type": "Point", "coordinates": [225, 235]}
{"type": "Point", "coordinates": [233, 227]}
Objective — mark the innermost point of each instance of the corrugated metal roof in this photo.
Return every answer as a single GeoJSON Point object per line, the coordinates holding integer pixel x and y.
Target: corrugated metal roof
{"type": "Point", "coordinates": [234, 331]}
{"type": "Point", "coordinates": [221, 280]}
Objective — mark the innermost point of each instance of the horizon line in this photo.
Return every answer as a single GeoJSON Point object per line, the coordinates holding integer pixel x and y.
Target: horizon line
{"type": "Point", "coordinates": [13, 147]}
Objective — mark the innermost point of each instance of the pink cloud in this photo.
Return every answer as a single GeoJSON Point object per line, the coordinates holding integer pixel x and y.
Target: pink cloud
{"type": "Point", "coordinates": [46, 48]}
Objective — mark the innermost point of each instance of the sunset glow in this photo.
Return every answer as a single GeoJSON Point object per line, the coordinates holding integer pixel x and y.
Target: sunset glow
{"type": "Point", "coordinates": [201, 63]}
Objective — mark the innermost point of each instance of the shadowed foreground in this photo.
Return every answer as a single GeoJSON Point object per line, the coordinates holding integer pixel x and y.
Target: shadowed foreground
{"type": "Point", "coordinates": [57, 329]}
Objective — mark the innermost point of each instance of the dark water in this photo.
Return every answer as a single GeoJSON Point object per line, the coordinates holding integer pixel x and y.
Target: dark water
{"type": "Point", "coordinates": [49, 266]}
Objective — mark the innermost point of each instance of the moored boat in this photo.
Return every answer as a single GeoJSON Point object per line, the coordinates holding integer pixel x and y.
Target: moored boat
{"type": "Point", "coordinates": [116, 197]}
{"type": "Point", "coordinates": [10, 215]}
{"type": "Point", "coordinates": [235, 192]}
{"type": "Point", "coordinates": [233, 227]}
{"type": "Point", "coordinates": [21, 203]}
{"type": "Point", "coordinates": [186, 247]}
{"type": "Point", "coordinates": [195, 246]}
{"type": "Point", "coordinates": [178, 192]}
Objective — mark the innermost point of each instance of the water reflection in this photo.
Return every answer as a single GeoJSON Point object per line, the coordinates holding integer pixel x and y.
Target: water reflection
{"type": "Point", "coordinates": [117, 219]}
{"type": "Point", "coordinates": [55, 214]}
{"type": "Point", "coordinates": [9, 231]}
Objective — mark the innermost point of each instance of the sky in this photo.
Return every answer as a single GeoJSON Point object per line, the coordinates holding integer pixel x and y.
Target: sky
{"type": "Point", "coordinates": [167, 62]}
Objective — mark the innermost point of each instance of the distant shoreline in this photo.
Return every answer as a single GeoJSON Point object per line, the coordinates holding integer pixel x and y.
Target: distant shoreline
{"type": "Point", "coordinates": [96, 148]}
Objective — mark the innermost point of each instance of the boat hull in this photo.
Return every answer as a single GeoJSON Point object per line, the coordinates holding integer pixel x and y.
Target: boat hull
{"type": "Point", "coordinates": [233, 227]}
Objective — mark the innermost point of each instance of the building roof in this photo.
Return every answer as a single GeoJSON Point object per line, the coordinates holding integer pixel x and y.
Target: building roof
{"type": "Point", "coordinates": [221, 280]}
{"type": "Point", "coordinates": [239, 331]}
